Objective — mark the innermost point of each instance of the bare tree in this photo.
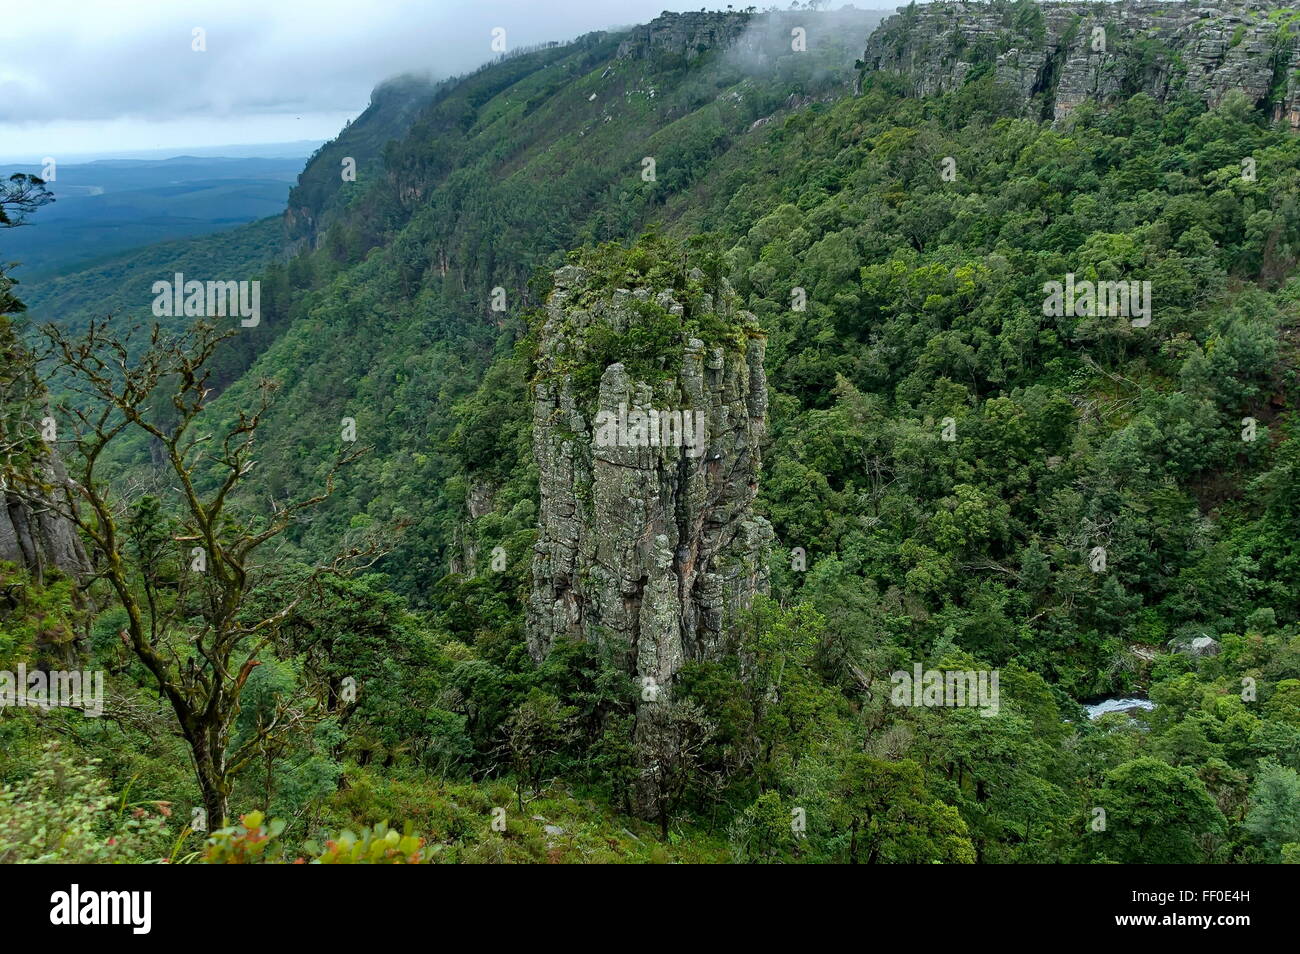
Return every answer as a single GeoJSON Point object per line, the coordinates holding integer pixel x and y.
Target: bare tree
{"type": "Point", "coordinates": [28, 535]}
{"type": "Point", "coordinates": [182, 579]}
{"type": "Point", "coordinates": [20, 196]}
{"type": "Point", "coordinates": [670, 743]}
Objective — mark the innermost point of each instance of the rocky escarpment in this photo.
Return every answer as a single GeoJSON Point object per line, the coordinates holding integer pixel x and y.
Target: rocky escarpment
{"type": "Point", "coordinates": [759, 39]}
{"type": "Point", "coordinates": [1057, 55]}
{"type": "Point", "coordinates": [647, 541]}
{"type": "Point", "coordinates": [322, 189]}
{"type": "Point", "coordinates": [38, 542]}
{"type": "Point", "coordinates": [36, 537]}
{"type": "Point", "coordinates": [685, 34]}
{"type": "Point", "coordinates": [32, 535]}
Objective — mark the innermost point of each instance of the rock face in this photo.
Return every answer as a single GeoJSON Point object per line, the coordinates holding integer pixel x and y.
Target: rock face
{"type": "Point", "coordinates": [32, 536]}
{"type": "Point", "coordinates": [647, 538]}
{"type": "Point", "coordinates": [1196, 646]}
{"type": "Point", "coordinates": [1057, 55]}
{"type": "Point", "coordinates": [761, 38]}
{"type": "Point", "coordinates": [478, 502]}
{"type": "Point", "coordinates": [685, 34]}
{"type": "Point", "coordinates": [36, 538]}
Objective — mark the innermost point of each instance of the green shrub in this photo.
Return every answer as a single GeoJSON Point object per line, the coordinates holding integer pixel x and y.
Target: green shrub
{"type": "Point", "coordinates": [63, 814]}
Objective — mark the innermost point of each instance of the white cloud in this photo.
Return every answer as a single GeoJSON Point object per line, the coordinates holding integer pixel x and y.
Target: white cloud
{"type": "Point", "coordinates": [93, 76]}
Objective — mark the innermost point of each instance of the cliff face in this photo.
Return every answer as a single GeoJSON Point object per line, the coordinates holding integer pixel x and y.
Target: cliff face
{"type": "Point", "coordinates": [685, 34]}
{"type": "Point", "coordinates": [321, 191]}
{"type": "Point", "coordinates": [759, 40]}
{"type": "Point", "coordinates": [34, 537]}
{"type": "Point", "coordinates": [1057, 55]}
{"type": "Point", "coordinates": [647, 537]}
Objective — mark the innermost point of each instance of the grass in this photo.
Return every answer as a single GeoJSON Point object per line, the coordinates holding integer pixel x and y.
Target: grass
{"type": "Point", "coordinates": [456, 821]}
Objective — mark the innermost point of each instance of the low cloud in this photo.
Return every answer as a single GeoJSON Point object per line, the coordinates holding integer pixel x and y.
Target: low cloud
{"type": "Point", "coordinates": [86, 69]}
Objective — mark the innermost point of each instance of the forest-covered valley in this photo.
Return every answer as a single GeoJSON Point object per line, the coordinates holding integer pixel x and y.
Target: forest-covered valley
{"type": "Point", "coordinates": [363, 578]}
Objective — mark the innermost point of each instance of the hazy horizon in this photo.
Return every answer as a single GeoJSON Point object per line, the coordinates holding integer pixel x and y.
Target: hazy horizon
{"type": "Point", "coordinates": [294, 71]}
{"type": "Point", "coordinates": [301, 148]}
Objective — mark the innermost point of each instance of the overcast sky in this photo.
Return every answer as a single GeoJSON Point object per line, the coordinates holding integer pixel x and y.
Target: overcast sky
{"type": "Point", "coordinates": [84, 77]}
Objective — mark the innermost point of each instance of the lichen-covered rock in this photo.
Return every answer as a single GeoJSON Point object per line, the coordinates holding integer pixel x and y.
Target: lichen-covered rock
{"type": "Point", "coordinates": [1196, 646]}
{"type": "Point", "coordinates": [1058, 55]}
{"type": "Point", "coordinates": [34, 535]}
{"type": "Point", "coordinates": [650, 405]}
{"type": "Point", "coordinates": [479, 500]}
{"type": "Point", "coordinates": [1288, 108]}
{"type": "Point", "coordinates": [647, 541]}
{"type": "Point", "coordinates": [685, 34]}
{"type": "Point", "coordinates": [37, 537]}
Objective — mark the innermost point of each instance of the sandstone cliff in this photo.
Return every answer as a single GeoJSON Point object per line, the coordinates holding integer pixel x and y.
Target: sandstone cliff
{"type": "Point", "coordinates": [685, 34]}
{"type": "Point", "coordinates": [35, 537]}
{"type": "Point", "coordinates": [646, 545]}
{"type": "Point", "coordinates": [32, 536]}
{"type": "Point", "coordinates": [1057, 55]}
{"type": "Point", "coordinates": [759, 40]}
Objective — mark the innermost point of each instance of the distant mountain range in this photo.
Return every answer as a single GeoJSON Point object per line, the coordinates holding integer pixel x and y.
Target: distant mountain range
{"type": "Point", "coordinates": [297, 149]}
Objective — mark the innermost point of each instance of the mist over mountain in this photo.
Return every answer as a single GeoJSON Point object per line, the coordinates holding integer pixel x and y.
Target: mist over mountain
{"type": "Point", "coordinates": [742, 436]}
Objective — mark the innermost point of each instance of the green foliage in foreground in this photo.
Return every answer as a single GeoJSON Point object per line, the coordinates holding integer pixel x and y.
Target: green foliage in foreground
{"type": "Point", "coordinates": [924, 304]}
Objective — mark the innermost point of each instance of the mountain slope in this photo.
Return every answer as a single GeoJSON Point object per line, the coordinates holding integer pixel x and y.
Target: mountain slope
{"type": "Point", "coordinates": [988, 503]}
{"type": "Point", "coordinates": [321, 190]}
{"type": "Point", "coordinates": [503, 172]}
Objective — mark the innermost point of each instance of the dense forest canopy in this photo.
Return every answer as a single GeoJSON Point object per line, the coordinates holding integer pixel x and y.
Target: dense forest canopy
{"type": "Point", "coordinates": [958, 476]}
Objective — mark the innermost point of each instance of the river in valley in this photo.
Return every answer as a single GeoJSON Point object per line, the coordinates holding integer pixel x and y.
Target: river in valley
{"type": "Point", "coordinates": [1130, 705]}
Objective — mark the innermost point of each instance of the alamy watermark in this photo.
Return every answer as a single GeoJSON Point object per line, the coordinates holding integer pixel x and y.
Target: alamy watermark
{"type": "Point", "coordinates": [1089, 299]}
{"type": "Point", "coordinates": [129, 908]}
{"type": "Point", "coordinates": [936, 688]}
{"type": "Point", "coordinates": [58, 688]}
{"type": "Point", "coordinates": [651, 428]}
{"type": "Point", "coordinates": [195, 299]}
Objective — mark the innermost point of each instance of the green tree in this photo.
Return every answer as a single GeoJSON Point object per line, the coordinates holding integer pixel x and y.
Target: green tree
{"type": "Point", "coordinates": [188, 618]}
{"type": "Point", "coordinates": [1274, 815]}
{"type": "Point", "coordinates": [1155, 814]}
{"type": "Point", "coordinates": [891, 818]}
{"type": "Point", "coordinates": [535, 734]}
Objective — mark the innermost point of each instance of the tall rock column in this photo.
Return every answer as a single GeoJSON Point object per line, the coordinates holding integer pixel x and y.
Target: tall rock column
{"type": "Point", "coordinates": [650, 405]}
